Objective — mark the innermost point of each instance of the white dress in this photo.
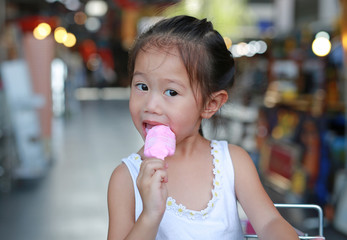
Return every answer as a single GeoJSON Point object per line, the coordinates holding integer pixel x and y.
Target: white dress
{"type": "Point", "coordinates": [219, 220]}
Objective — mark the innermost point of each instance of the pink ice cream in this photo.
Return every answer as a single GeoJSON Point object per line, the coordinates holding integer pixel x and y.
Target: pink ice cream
{"type": "Point", "coordinates": [160, 142]}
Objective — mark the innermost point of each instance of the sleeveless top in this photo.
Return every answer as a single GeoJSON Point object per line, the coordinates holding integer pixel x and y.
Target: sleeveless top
{"type": "Point", "coordinates": [219, 220]}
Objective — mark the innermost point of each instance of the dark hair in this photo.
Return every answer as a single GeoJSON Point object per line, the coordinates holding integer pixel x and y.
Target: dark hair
{"type": "Point", "coordinates": [202, 49]}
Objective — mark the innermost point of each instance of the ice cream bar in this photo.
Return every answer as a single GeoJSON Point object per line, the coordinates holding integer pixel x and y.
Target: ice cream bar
{"type": "Point", "coordinates": [160, 142]}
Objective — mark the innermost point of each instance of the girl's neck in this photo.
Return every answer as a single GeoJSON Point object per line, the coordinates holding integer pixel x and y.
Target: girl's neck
{"type": "Point", "coordinates": [190, 146]}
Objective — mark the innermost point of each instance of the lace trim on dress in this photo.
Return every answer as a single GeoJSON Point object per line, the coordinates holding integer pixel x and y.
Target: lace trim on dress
{"type": "Point", "coordinates": [181, 210]}
{"type": "Point", "coordinates": [137, 159]}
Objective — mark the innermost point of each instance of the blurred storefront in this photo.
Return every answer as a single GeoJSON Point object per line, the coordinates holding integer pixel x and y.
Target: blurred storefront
{"type": "Point", "coordinates": [288, 107]}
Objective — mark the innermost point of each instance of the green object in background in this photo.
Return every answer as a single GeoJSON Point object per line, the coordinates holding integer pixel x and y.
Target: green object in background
{"type": "Point", "coordinates": [227, 16]}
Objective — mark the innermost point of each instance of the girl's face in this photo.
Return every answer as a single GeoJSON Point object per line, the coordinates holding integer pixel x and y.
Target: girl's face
{"type": "Point", "coordinates": [161, 93]}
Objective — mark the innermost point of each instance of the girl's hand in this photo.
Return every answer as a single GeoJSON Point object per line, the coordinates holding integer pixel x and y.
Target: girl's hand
{"type": "Point", "coordinates": [151, 183]}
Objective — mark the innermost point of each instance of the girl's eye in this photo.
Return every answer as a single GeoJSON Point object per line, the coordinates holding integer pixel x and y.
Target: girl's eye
{"type": "Point", "coordinates": [170, 93]}
{"type": "Point", "coordinates": [142, 87]}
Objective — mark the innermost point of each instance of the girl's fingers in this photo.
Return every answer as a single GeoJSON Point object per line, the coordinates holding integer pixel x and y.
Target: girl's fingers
{"type": "Point", "coordinates": [151, 165]}
{"type": "Point", "coordinates": [151, 184]}
{"type": "Point", "coordinates": [160, 176]}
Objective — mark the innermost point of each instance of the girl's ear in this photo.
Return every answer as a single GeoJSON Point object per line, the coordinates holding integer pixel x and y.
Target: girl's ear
{"type": "Point", "coordinates": [214, 103]}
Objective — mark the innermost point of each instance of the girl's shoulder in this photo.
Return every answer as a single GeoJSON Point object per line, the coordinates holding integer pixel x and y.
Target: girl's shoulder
{"type": "Point", "coordinates": [237, 151]}
{"type": "Point", "coordinates": [121, 175]}
{"type": "Point", "coordinates": [121, 179]}
{"type": "Point", "coordinates": [239, 156]}
{"type": "Point", "coordinates": [121, 171]}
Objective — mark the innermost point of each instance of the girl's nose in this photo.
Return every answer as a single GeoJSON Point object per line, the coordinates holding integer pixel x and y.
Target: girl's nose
{"type": "Point", "coordinates": [153, 103]}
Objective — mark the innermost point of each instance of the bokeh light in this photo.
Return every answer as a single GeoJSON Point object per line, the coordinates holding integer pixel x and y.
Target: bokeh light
{"type": "Point", "coordinates": [60, 34]}
{"type": "Point", "coordinates": [64, 37]}
{"type": "Point", "coordinates": [94, 62]}
{"type": "Point", "coordinates": [228, 42]}
{"type": "Point", "coordinates": [321, 46]}
{"type": "Point", "coordinates": [323, 34]}
{"type": "Point", "coordinates": [70, 40]}
{"type": "Point", "coordinates": [96, 8]}
{"type": "Point", "coordinates": [93, 24]}
{"type": "Point", "coordinates": [72, 5]}
{"type": "Point", "coordinates": [42, 31]}
{"type": "Point", "coordinates": [248, 49]}
{"type": "Point", "coordinates": [80, 18]}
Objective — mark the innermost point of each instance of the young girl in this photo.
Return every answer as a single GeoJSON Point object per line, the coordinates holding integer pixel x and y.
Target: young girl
{"type": "Point", "coordinates": [180, 73]}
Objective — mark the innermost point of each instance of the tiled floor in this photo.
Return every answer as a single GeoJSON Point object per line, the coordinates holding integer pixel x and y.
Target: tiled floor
{"type": "Point", "coordinates": [70, 202]}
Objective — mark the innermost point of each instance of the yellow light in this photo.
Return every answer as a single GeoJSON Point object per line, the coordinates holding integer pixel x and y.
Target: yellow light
{"type": "Point", "coordinates": [37, 34]}
{"type": "Point", "coordinates": [228, 42]}
{"type": "Point", "coordinates": [44, 28]}
{"type": "Point", "coordinates": [344, 41]}
{"type": "Point", "coordinates": [321, 46]}
{"type": "Point", "coordinates": [60, 34]}
{"type": "Point", "coordinates": [277, 132]}
{"type": "Point", "coordinates": [70, 40]}
{"type": "Point", "coordinates": [42, 31]}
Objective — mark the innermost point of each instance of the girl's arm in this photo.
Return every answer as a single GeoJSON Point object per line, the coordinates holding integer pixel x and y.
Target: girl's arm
{"type": "Point", "coordinates": [263, 215]}
{"type": "Point", "coordinates": [121, 202]}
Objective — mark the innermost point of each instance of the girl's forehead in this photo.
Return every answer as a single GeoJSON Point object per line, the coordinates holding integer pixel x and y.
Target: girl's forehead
{"type": "Point", "coordinates": [155, 57]}
{"type": "Point", "coordinates": [162, 50]}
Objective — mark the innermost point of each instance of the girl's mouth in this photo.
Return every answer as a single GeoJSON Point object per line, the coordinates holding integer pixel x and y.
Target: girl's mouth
{"type": "Point", "coordinates": [147, 126]}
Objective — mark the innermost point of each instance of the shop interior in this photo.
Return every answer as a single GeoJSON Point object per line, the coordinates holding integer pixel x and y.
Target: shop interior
{"type": "Point", "coordinates": [63, 68]}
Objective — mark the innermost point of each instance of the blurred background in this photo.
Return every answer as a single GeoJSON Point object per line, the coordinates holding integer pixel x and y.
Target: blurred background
{"type": "Point", "coordinates": [65, 125]}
